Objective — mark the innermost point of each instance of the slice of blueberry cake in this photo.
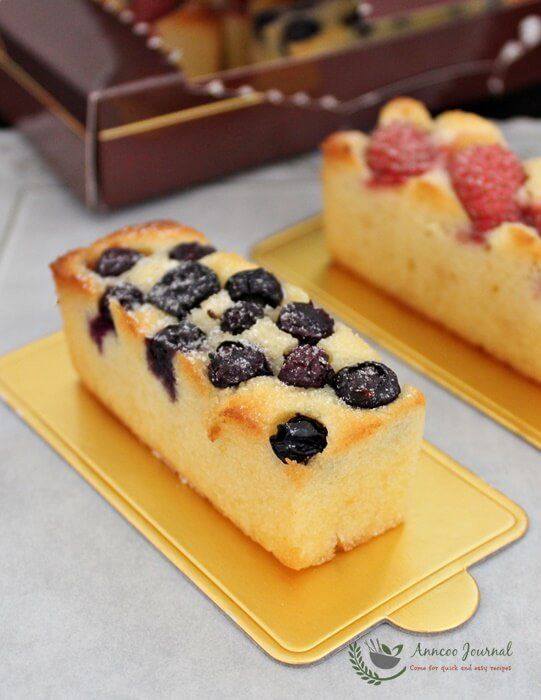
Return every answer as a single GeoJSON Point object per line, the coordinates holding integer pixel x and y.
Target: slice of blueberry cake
{"type": "Point", "coordinates": [280, 415]}
{"type": "Point", "coordinates": [443, 215]}
{"type": "Point", "coordinates": [304, 28]}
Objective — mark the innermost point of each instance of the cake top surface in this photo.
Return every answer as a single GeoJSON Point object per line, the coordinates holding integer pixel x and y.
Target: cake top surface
{"type": "Point", "coordinates": [248, 338]}
{"type": "Point", "coordinates": [492, 195]}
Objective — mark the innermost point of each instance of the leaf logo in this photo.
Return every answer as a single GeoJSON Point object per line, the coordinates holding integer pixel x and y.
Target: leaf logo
{"type": "Point", "coordinates": [381, 656]}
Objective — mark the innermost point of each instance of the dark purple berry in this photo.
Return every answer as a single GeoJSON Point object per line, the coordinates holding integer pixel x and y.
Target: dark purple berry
{"type": "Point", "coordinates": [306, 366]}
{"type": "Point", "coordinates": [351, 19]}
{"type": "Point", "coordinates": [114, 261]}
{"type": "Point", "coordinates": [183, 288]}
{"type": "Point", "coordinates": [190, 251]}
{"type": "Point", "coordinates": [299, 439]}
{"type": "Point", "coordinates": [356, 21]}
{"type": "Point", "coordinates": [257, 285]}
{"type": "Point", "coordinates": [306, 322]}
{"type": "Point", "coordinates": [127, 295]}
{"type": "Point", "coordinates": [365, 28]}
{"type": "Point", "coordinates": [366, 385]}
{"type": "Point", "coordinates": [233, 363]}
{"type": "Point", "coordinates": [240, 317]}
{"type": "Point", "coordinates": [300, 29]}
{"type": "Point", "coordinates": [180, 337]}
{"type": "Point", "coordinates": [98, 327]}
{"type": "Point", "coordinates": [261, 19]}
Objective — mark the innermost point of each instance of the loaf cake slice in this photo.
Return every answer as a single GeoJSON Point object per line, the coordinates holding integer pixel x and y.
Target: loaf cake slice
{"type": "Point", "coordinates": [194, 32]}
{"type": "Point", "coordinates": [302, 29]}
{"type": "Point", "coordinates": [442, 215]}
{"type": "Point", "coordinates": [281, 416]}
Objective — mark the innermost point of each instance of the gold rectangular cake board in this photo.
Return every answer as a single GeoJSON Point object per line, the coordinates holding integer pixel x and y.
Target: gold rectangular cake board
{"type": "Point", "coordinates": [414, 576]}
{"type": "Point", "coordinates": [298, 254]}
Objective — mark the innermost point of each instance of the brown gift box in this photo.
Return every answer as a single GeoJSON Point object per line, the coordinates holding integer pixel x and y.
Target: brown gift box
{"type": "Point", "coordinates": [119, 123]}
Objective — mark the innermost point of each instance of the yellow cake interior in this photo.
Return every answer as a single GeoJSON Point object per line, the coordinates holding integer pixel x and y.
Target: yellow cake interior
{"type": "Point", "coordinates": [411, 239]}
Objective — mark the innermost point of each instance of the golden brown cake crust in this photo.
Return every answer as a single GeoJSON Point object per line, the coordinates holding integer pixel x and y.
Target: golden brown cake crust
{"type": "Point", "coordinates": [137, 236]}
{"type": "Point", "coordinates": [345, 148]}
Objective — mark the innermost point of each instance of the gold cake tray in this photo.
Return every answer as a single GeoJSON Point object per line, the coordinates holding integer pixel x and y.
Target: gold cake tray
{"type": "Point", "coordinates": [413, 576]}
{"type": "Point", "coordinates": [298, 254]}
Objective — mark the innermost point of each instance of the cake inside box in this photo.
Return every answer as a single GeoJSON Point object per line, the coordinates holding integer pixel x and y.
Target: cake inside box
{"type": "Point", "coordinates": [205, 37]}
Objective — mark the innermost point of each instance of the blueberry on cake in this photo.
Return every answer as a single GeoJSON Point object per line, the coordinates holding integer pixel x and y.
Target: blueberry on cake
{"type": "Point", "coordinates": [280, 415]}
{"type": "Point", "coordinates": [441, 214]}
{"type": "Point", "coordinates": [304, 28]}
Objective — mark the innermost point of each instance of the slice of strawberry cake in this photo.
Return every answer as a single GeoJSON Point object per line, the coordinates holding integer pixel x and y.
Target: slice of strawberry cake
{"type": "Point", "coordinates": [443, 216]}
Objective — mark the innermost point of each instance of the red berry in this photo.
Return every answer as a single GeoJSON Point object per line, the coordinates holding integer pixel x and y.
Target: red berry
{"type": "Point", "coordinates": [486, 180]}
{"type": "Point", "coordinates": [151, 10]}
{"type": "Point", "coordinates": [532, 217]}
{"type": "Point", "coordinates": [400, 150]}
